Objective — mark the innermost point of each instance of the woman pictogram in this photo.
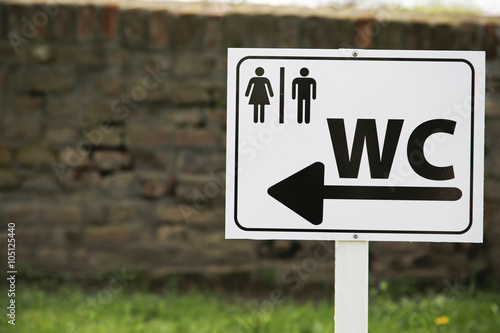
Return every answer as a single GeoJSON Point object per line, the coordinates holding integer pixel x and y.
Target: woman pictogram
{"type": "Point", "coordinates": [259, 96]}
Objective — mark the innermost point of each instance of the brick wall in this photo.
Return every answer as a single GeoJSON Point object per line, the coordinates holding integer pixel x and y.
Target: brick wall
{"type": "Point", "coordinates": [112, 140]}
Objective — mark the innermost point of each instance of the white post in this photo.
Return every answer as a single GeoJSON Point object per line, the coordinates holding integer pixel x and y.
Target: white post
{"type": "Point", "coordinates": [351, 287]}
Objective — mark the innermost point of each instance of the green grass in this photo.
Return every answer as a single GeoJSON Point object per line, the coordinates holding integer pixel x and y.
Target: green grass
{"type": "Point", "coordinates": [70, 309]}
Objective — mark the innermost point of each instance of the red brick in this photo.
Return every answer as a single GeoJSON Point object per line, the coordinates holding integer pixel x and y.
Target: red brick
{"type": "Point", "coordinates": [76, 179]}
{"type": "Point", "coordinates": [490, 41]}
{"type": "Point", "coordinates": [366, 31]}
{"type": "Point", "coordinates": [188, 32]}
{"type": "Point", "coordinates": [109, 160]}
{"type": "Point", "coordinates": [86, 22]}
{"type": "Point", "coordinates": [159, 29]}
{"type": "Point", "coordinates": [109, 21]}
{"type": "Point", "coordinates": [154, 185]}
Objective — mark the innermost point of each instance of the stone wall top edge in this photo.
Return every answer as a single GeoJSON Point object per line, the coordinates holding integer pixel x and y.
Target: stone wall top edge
{"type": "Point", "coordinates": [213, 8]}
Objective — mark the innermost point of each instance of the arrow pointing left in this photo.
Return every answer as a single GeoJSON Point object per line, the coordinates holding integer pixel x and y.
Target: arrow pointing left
{"type": "Point", "coordinates": [304, 192]}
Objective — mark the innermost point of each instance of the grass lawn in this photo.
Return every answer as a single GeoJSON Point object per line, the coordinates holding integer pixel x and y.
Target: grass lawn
{"type": "Point", "coordinates": [70, 309]}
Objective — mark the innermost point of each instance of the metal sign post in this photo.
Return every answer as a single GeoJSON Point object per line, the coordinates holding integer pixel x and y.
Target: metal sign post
{"type": "Point", "coordinates": [351, 287]}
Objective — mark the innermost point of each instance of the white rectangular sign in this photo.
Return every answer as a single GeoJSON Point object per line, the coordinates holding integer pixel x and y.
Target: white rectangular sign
{"type": "Point", "coordinates": [355, 144]}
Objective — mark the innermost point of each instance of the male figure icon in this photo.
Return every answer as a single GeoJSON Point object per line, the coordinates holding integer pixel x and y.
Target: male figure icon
{"type": "Point", "coordinates": [303, 88]}
{"type": "Point", "coordinates": [259, 97]}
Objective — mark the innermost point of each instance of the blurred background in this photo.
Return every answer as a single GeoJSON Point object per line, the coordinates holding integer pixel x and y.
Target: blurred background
{"type": "Point", "coordinates": [112, 151]}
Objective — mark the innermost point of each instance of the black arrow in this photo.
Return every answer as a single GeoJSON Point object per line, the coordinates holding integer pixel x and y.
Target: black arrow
{"type": "Point", "coordinates": [304, 191]}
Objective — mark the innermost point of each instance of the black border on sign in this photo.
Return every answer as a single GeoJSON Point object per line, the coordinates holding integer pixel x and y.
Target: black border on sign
{"type": "Point", "coordinates": [345, 230]}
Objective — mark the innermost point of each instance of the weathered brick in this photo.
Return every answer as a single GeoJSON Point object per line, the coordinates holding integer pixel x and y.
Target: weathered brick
{"type": "Point", "coordinates": [491, 192]}
{"type": "Point", "coordinates": [86, 22]}
{"type": "Point", "coordinates": [20, 131]}
{"type": "Point", "coordinates": [166, 234]}
{"type": "Point", "coordinates": [195, 138]}
{"type": "Point", "coordinates": [51, 257]}
{"type": "Point", "coordinates": [64, 26]}
{"type": "Point", "coordinates": [76, 179]}
{"type": "Point", "coordinates": [75, 157]}
{"type": "Point", "coordinates": [492, 105]}
{"type": "Point", "coordinates": [107, 136]}
{"type": "Point", "coordinates": [113, 235]}
{"type": "Point", "coordinates": [418, 36]}
{"type": "Point", "coordinates": [154, 185]}
{"type": "Point", "coordinates": [200, 191]}
{"type": "Point", "coordinates": [109, 21]}
{"type": "Point", "coordinates": [5, 156]}
{"type": "Point", "coordinates": [490, 41]}
{"type": "Point", "coordinates": [236, 27]}
{"type": "Point", "coordinates": [119, 183]}
{"type": "Point", "coordinates": [391, 35]}
{"type": "Point", "coordinates": [109, 84]}
{"type": "Point", "coordinates": [48, 81]}
{"type": "Point", "coordinates": [63, 107]}
{"type": "Point", "coordinates": [21, 212]}
{"type": "Point", "coordinates": [41, 53]}
{"type": "Point", "coordinates": [62, 214]}
{"type": "Point", "coordinates": [8, 179]}
{"type": "Point", "coordinates": [194, 65]}
{"type": "Point", "coordinates": [208, 218]}
{"type": "Point", "coordinates": [148, 135]}
{"type": "Point", "coordinates": [15, 24]}
{"type": "Point", "coordinates": [185, 116]}
{"type": "Point", "coordinates": [467, 36]}
{"type": "Point", "coordinates": [26, 106]}
{"type": "Point", "coordinates": [443, 37]}
{"type": "Point", "coordinates": [156, 159]}
{"type": "Point", "coordinates": [169, 212]}
{"type": "Point", "coordinates": [366, 30]}
{"type": "Point", "coordinates": [263, 29]}
{"type": "Point", "coordinates": [81, 56]}
{"type": "Point", "coordinates": [339, 33]}
{"type": "Point", "coordinates": [128, 211]}
{"type": "Point", "coordinates": [159, 29]}
{"type": "Point", "coordinates": [188, 32]}
{"type": "Point", "coordinates": [201, 162]}
{"type": "Point", "coordinates": [188, 92]}
{"type": "Point", "coordinates": [288, 31]}
{"type": "Point", "coordinates": [98, 110]}
{"type": "Point", "coordinates": [213, 37]}
{"type": "Point", "coordinates": [313, 32]}
{"type": "Point", "coordinates": [61, 133]}
{"type": "Point", "coordinates": [41, 183]}
{"type": "Point", "coordinates": [134, 27]}
{"type": "Point", "coordinates": [110, 160]}
{"type": "Point", "coordinates": [35, 156]}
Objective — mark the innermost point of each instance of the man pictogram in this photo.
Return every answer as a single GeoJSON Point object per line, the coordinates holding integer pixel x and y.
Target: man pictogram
{"type": "Point", "coordinates": [303, 88]}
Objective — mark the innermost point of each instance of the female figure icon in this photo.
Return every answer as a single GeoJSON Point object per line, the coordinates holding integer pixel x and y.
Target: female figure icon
{"type": "Point", "coordinates": [259, 87]}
